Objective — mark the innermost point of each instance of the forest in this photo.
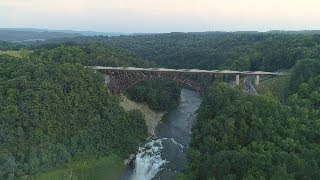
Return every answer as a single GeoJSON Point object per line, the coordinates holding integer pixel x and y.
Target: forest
{"type": "Point", "coordinates": [159, 94]}
{"type": "Point", "coordinates": [52, 113]}
{"type": "Point", "coordinates": [272, 51]}
{"type": "Point", "coordinates": [236, 51]}
{"type": "Point", "coordinates": [53, 110]}
{"type": "Point", "coordinates": [237, 135]}
{"type": "Point", "coordinates": [248, 136]}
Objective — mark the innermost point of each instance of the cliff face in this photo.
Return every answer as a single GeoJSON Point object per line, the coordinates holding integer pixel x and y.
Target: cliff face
{"type": "Point", "coordinates": [152, 117]}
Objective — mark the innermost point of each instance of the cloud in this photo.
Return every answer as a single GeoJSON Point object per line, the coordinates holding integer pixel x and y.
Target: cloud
{"type": "Point", "coordinates": [161, 15]}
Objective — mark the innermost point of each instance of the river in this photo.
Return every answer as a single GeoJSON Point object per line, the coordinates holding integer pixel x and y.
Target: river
{"type": "Point", "coordinates": [164, 156]}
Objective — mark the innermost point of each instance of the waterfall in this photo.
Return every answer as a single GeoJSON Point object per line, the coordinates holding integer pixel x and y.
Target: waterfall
{"type": "Point", "coordinates": [165, 157]}
{"type": "Point", "coordinates": [148, 160]}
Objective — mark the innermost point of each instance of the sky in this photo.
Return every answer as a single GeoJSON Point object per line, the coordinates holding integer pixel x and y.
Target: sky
{"type": "Point", "coordinates": [144, 16]}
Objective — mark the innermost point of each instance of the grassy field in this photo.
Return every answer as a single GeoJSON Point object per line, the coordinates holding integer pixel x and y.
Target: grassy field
{"type": "Point", "coordinates": [11, 53]}
{"type": "Point", "coordinates": [110, 167]}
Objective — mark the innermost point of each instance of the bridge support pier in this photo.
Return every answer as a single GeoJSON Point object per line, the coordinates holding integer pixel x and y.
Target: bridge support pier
{"type": "Point", "coordinates": [257, 80]}
{"type": "Point", "coordinates": [237, 79]}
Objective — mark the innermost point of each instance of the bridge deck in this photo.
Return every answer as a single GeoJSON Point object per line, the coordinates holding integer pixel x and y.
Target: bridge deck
{"type": "Point", "coordinates": [196, 71]}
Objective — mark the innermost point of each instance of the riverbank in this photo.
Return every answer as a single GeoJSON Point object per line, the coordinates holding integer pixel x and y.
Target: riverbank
{"type": "Point", "coordinates": [164, 155]}
{"type": "Point", "coordinates": [152, 117]}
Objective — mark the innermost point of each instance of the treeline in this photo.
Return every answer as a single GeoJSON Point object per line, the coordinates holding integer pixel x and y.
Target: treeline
{"type": "Point", "coordinates": [246, 136]}
{"type": "Point", "coordinates": [90, 55]}
{"type": "Point", "coordinates": [53, 112]}
{"type": "Point", "coordinates": [236, 51]}
{"type": "Point", "coordinates": [8, 46]}
{"type": "Point", "coordinates": [25, 35]}
{"type": "Point", "coordinates": [270, 51]}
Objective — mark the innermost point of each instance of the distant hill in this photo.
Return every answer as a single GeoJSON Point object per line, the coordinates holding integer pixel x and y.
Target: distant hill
{"type": "Point", "coordinates": [31, 34]}
{"type": "Point", "coordinates": [19, 36]}
{"type": "Point", "coordinates": [295, 32]}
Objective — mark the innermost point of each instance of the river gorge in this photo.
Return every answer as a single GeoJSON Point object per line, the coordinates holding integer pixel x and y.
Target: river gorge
{"type": "Point", "coordinates": [163, 156]}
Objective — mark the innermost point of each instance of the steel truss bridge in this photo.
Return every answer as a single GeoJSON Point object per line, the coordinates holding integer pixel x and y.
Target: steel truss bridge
{"type": "Point", "coordinates": [120, 79]}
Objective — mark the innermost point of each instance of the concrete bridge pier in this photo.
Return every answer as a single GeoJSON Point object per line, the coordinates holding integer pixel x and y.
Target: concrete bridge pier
{"type": "Point", "coordinates": [257, 80]}
{"type": "Point", "coordinates": [237, 79]}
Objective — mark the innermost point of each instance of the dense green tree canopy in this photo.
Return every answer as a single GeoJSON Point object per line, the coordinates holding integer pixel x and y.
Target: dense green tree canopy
{"type": "Point", "coordinates": [213, 50]}
{"type": "Point", "coordinates": [52, 113]}
{"type": "Point", "coordinates": [244, 136]}
{"type": "Point", "coordinates": [160, 94]}
{"type": "Point", "coordinates": [305, 76]}
{"type": "Point", "coordinates": [239, 135]}
{"type": "Point", "coordinates": [53, 110]}
{"type": "Point", "coordinates": [91, 55]}
{"type": "Point", "coordinates": [237, 51]}
{"type": "Point", "coordinates": [6, 46]}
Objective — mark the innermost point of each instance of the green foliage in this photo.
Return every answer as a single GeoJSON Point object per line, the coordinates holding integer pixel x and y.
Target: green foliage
{"type": "Point", "coordinates": [53, 110]}
{"type": "Point", "coordinates": [216, 50]}
{"type": "Point", "coordinates": [8, 46]}
{"type": "Point", "coordinates": [160, 94]}
{"type": "Point", "coordinates": [275, 86]}
{"type": "Point", "coordinates": [306, 73]}
{"type": "Point", "coordinates": [91, 55]}
{"type": "Point", "coordinates": [52, 113]}
{"type": "Point", "coordinates": [245, 136]}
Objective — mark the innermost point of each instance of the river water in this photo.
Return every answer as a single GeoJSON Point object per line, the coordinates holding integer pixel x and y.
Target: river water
{"type": "Point", "coordinates": [164, 156]}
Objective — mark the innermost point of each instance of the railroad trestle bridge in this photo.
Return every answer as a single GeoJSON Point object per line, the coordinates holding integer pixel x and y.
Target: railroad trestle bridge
{"type": "Point", "coordinates": [120, 79]}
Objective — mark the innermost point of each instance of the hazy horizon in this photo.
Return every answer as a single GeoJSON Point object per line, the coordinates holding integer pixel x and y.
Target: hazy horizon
{"type": "Point", "coordinates": [89, 30]}
{"type": "Point", "coordinates": [161, 16]}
